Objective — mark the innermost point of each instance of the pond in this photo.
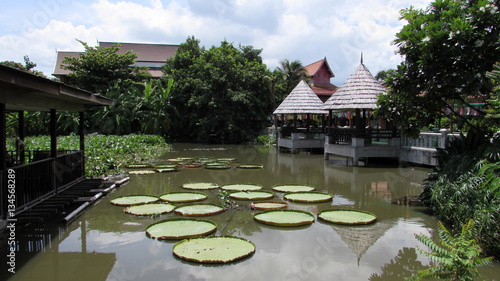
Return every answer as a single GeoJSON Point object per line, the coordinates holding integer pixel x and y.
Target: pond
{"type": "Point", "coordinates": [107, 244]}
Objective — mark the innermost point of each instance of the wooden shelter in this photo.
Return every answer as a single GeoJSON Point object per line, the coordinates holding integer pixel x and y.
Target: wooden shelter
{"type": "Point", "coordinates": [357, 98]}
{"type": "Point", "coordinates": [53, 171]}
{"type": "Point", "coordinates": [301, 101]}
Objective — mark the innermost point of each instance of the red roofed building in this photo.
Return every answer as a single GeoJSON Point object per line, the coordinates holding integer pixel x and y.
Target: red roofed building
{"type": "Point", "coordinates": [153, 56]}
{"type": "Point", "coordinates": [320, 73]}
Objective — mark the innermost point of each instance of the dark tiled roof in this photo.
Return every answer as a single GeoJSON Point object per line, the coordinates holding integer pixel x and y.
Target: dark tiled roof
{"type": "Point", "coordinates": [146, 52]}
{"type": "Point", "coordinates": [60, 56]}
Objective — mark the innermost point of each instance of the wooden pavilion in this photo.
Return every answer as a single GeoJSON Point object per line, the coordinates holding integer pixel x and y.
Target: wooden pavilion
{"type": "Point", "coordinates": [38, 179]}
{"type": "Point", "coordinates": [301, 101]}
{"type": "Point", "coordinates": [363, 137]}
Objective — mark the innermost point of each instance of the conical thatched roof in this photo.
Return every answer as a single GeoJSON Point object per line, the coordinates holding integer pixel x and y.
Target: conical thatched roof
{"type": "Point", "coordinates": [302, 100]}
{"type": "Point", "coordinates": [360, 91]}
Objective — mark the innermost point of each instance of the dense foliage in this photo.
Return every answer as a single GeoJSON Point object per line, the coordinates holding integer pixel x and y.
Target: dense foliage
{"type": "Point", "coordinates": [220, 93]}
{"type": "Point", "coordinates": [106, 155]}
{"type": "Point", "coordinates": [448, 49]}
{"type": "Point", "coordinates": [466, 185]}
{"type": "Point", "coordinates": [28, 66]}
{"type": "Point", "coordinates": [458, 256]}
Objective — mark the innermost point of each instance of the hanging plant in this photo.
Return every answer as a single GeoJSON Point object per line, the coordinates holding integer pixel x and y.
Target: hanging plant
{"type": "Point", "coordinates": [216, 249]}
{"type": "Point", "coordinates": [149, 209]}
{"type": "Point", "coordinates": [293, 188]}
{"type": "Point", "coordinates": [241, 187]}
{"type": "Point", "coordinates": [180, 228]}
{"type": "Point", "coordinates": [309, 197]}
{"type": "Point", "coordinates": [131, 200]}
{"type": "Point", "coordinates": [183, 197]}
{"type": "Point", "coordinates": [252, 195]}
{"type": "Point", "coordinates": [200, 185]}
{"type": "Point", "coordinates": [199, 210]}
{"type": "Point", "coordinates": [349, 217]}
{"type": "Point", "coordinates": [284, 217]}
{"type": "Point", "coordinates": [268, 205]}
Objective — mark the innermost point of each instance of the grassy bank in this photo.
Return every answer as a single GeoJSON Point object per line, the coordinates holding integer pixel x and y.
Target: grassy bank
{"type": "Point", "coordinates": [106, 155]}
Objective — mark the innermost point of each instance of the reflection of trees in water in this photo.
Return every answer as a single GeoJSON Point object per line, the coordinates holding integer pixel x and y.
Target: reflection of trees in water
{"type": "Point", "coordinates": [404, 265]}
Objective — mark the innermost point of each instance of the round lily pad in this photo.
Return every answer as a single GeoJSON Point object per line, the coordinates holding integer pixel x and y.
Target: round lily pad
{"type": "Point", "coordinates": [216, 249]}
{"type": "Point", "coordinates": [268, 205]}
{"type": "Point", "coordinates": [166, 170]}
{"type": "Point", "coordinates": [284, 217]}
{"type": "Point", "coordinates": [309, 197]}
{"type": "Point", "coordinates": [137, 165]}
{"type": "Point", "coordinates": [183, 197]}
{"type": "Point", "coordinates": [200, 185]}
{"type": "Point", "coordinates": [131, 200]}
{"type": "Point", "coordinates": [217, 166]}
{"type": "Point", "coordinates": [180, 228]}
{"type": "Point", "coordinates": [193, 165]}
{"type": "Point", "coordinates": [149, 209]}
{"type": "Point", "coordinates": [199, 210]}
{"type": "Point", "coordinates": [227, 160]}
{"type": "Point", "coordinates": [293, 188]}
{"type": "Point", "coordinates": [251, 166]}
{"type": "Point", "coordinates": [252, 195]}
{"type": "Point", "coordinates": [141, 172]}
{"type": "Point", "coordinates": [350, 217]}
{"type": "Point", "coordinates": [166, 166]}
{"type": "Point", "coordinates": [241, 187]}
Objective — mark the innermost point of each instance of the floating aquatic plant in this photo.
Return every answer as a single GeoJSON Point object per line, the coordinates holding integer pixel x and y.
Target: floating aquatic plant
{"type": "Point", "coordinates": [252, 195]}
{"type": "Point", "coordinates": [183, 197]}
{"type": "Point", "coordinates": [131, 200]}
{"type": "Point", "coordinates": [284, 217]}
{"type": "Point", "coordinates": [200, 185]}
{"type": "Point", "coordinates": [149, 209]}
{"type": "Point", "coordinates": [293, 188]}
{"type": "Point", "coordinates": [350, 217]}
{"type": "Point", "coordinates": [241, 187]}
{"type": "Point", "coordinates": [216, 249]}
{"type": "Point", "coordinates": [199, 210]}
{"type": "Point", "coordinates": [180, 228]}
{"type": "Point", "coordinates": [268, 205]}
{"type": "Point", "coordinates": [309, 197]}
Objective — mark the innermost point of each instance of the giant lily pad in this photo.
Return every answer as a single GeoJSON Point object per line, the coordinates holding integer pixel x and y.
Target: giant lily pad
{"type": "Point", "coordinates": [131, 200]}
{"type": "Point", "coordinates": [149, 209]}
{"type": "Point", "coordinates": [350, 217]}
{"type": "Point", "coordinates": [293, 188]}
{"type": "Point", "coordinates": [216, 249]}
{"type": "Point", "coordinates": [141, 172]}
{"type": "Point", "coordinates": [199, 210]}
{"type": "Point", "coordinates": [180, 228]}
{"type": "Point", "coordinates": [241, 187]}
{"type": "Point", "coordinates": [309, 197]}
{"type": "Point", "coordinates": [137, 165]}
{"type": "Point", "coordinates": [252, 195]}
{"type": "Point", "coordinates": [167, 170]}
{"type": "Point", "coordinates": [183, 197]}
{"type": "Point", "coordinates": [217, 166]}
{"type": "Point", "coordinates": [251, 166]}
{"type": "Point", "coordinates": [200, 185]}
{"type": "Point", "coordinates": [268, 205]}
{"type": "Point", "coordinates": [284, 217]}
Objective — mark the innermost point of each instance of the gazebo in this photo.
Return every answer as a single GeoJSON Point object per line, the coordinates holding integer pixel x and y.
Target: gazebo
{"type": "Point", "coordinates": [362, 138]}
{"type": "Point", "coordinates": [301, 101]}
{"type": "Point", "coordinates": [49, 173]}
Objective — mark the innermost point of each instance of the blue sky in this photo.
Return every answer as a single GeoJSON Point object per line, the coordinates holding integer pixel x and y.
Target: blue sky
{"type": "Point", "coordinates": [305, 30]}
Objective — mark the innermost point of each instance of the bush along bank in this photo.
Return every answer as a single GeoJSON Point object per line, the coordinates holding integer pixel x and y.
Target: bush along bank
{"type": "Point", "coordinates": [106, 155]}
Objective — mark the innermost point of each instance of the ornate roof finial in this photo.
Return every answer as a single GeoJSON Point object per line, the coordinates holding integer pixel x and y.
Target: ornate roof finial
{"type": "Point", "coordinates": [361, 57]}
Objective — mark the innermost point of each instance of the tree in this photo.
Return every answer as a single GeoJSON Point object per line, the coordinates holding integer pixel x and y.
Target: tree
{"type": "Point", "coordinates": [220, 93]}
{"type": "Point", "coordinates": [294, 71]}
{"type": "Point", "coordinates": [99, 68]}
{"type": "Point", "coordinates": [383, 75]}
{"type": "Point", "coordinates": [28, 66]}
{"type": "Point", "coordinates": [493, 110]}
{"type": "Point", "coordinates": [448, 48]}
{"type": "Point", "coordinates": [457, 258]}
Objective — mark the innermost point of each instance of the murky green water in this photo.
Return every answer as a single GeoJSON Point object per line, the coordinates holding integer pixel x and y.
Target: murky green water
{"type": "Point", "coordinates": [107, 244]}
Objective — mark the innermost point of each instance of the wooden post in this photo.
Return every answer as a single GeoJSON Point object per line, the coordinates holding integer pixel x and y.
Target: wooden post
{"type": "Point", "coordinates": [22, 137]}
{"type": "Point", "coordinates": [53, 134]}
{"type": "Point", "coordinates": [82, 139]}
{"type": "Point", "coordinates": [3, 137]}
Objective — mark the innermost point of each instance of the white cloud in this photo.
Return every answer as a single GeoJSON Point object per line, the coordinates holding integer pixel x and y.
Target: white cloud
{"type": "Point", "coordinates": [292, 29]}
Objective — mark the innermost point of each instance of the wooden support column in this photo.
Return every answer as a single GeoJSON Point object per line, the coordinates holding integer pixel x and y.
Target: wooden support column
{"type": "Point", "coordinates": [22, 138]}
{"type": "Point", "coordinates": [81, 132]}
{"type": "Point", "coordinates": [3, 137]}
{"type": "Point", "coordinates": [53, 133]}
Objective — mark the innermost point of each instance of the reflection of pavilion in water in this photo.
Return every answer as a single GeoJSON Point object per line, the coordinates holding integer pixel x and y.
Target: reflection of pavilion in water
{"type": "Point", "coordinates": [298, 167]}
{"type": "Point", "coordinates": [383, 183]}
{"type": "Point", "coordinates": [360, 238]}
{"type": "Point", "coordinates": [55, 265]}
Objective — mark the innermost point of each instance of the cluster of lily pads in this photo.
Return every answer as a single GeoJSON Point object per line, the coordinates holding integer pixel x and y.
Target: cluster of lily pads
{"type": "Point", "coordinates": [176, 164]}
{"type": "Point", "coordinates": [195, 246]}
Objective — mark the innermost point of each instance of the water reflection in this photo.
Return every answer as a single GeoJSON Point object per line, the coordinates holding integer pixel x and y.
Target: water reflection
{"type": "Point", "coordinates": [107, 244]}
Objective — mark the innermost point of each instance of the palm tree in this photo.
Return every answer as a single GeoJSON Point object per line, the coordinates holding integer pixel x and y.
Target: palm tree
{"type": "Point", "coordinates": [294, 72]}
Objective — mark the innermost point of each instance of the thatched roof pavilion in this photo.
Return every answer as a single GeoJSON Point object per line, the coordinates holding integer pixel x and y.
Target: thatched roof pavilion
{"type": "Point", "coordinates": [360, 91]}
{"type": "Point", "coordinates": [302, 100]}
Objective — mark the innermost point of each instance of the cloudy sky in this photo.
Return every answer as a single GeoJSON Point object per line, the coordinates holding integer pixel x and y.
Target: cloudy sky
{"type": "Point", "coordinates": [304, 30]}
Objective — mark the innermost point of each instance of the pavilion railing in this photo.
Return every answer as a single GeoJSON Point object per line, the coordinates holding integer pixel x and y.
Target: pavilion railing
{"type": "Point", "coordinates": [39, 180]}
{"type": "Point", "coordinates": [345, 135]}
